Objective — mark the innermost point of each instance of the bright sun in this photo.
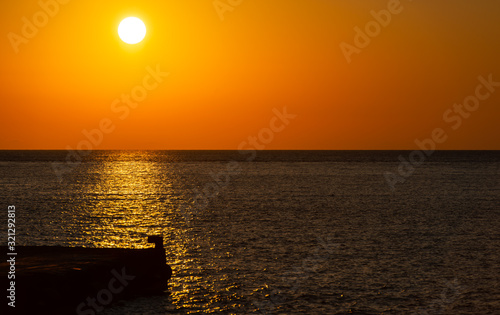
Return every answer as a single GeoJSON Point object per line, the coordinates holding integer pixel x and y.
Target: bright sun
{"type": "Point", "coordinates": [132, 30]}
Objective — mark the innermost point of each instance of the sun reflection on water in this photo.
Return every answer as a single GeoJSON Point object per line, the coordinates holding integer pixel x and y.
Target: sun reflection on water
{"type": "Point", "coordinates": [127, 203]}
{"type": "Point", "coordinates": [127, 196]}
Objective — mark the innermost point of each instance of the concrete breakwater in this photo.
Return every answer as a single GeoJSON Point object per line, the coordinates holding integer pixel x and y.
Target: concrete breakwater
{"type": "Point", "coordinates": [76, 280]}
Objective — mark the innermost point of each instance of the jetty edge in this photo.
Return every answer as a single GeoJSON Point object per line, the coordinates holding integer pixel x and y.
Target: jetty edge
{"type": "Point", "coordinates": [77, 280]}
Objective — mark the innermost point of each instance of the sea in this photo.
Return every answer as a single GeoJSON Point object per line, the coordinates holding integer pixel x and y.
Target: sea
{"type": "Point", "coordinates": [277, 232]}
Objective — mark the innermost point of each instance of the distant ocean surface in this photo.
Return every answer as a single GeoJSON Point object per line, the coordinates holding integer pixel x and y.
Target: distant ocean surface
{"type": "Point", "coordinates": [278, 232]}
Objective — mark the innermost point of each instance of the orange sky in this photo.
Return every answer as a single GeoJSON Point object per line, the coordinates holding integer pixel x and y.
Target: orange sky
{"type": "Point", "coordinates": [226, 76]}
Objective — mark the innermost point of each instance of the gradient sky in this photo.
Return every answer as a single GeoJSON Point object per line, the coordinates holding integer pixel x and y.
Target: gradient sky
{"type": "Point", "coordinates": [226, 77]}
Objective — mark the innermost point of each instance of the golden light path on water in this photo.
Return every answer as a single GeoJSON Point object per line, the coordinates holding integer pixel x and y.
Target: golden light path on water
{"type": "Point", "coordinates": [131, 195]}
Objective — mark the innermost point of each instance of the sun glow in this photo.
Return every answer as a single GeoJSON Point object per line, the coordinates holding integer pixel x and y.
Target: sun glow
{"type": "Point", "coordinates": [132, 30]}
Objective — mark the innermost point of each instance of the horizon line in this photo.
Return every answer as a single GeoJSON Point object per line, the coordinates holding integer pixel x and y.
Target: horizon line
{"type": "Point", "coordinates": [236, 150]}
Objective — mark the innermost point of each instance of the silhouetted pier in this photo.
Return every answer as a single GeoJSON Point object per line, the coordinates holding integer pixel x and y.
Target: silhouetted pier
{"type": "Point", "coordinates": [76, 280]}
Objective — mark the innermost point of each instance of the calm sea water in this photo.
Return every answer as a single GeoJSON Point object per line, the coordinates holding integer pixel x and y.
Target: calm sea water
{"type": "Point", "coordinates": [284, 232]}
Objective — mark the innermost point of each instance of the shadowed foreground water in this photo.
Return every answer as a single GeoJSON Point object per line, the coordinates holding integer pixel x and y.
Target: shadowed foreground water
{"type": "Point", "coordinates": [290, 232]}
